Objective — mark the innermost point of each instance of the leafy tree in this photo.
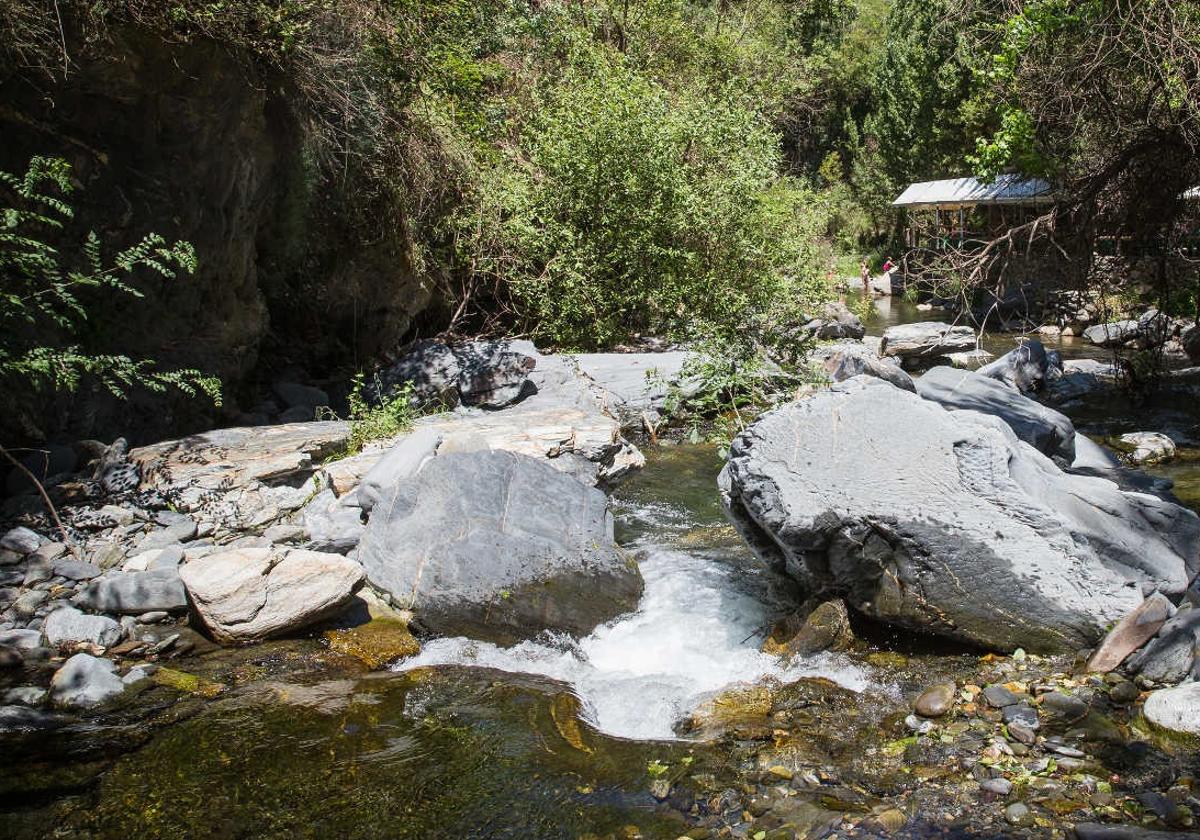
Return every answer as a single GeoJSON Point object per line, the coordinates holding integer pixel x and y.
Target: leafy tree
{"type": "Point", "coordinates": [42, 296]}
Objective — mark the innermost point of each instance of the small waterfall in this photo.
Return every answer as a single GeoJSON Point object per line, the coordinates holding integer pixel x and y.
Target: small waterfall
{"type": "Point", "coordinates": [695, 632]}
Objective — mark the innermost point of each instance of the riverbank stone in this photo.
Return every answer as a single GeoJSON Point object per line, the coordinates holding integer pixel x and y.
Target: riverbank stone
{"type": "Point", "coordinates": [85, 681]}
{"type": "Point", "coordinates": [133, 593]}
{"type": "Point", "coordinates": [498, 546]}
{"type": "Point", "coordinates": [1176, 710]}
{"type": "Point", "coordinates": [935, 701]}
{"type": "Point", "coordinates": [69, 626]}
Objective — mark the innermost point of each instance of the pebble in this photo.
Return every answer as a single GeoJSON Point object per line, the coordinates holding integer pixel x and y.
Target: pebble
{"type": "Point", "coordinates": [1022, 733]}
{"type": "Point", "coordinates": [998, 697]}
{"type": "Point", "coordinates": [918, 725]}
{"type": "Point", "coordinates": [1002, 787]}
{"type": "Point", "coordinates": [936, 700]}
{"type": "Point", "coordinates": [1123, 693]}
{"type": "Point", "coordinates": [10, 657]}
{"type": "Point", "coordinates": [1064, 706]}
{"type": "Point", "coordinates": [179, 531]}
{"type": "Point", "coordinates": [1023, 714]}
{"type": "Point", "coordinates": [76, 570]}
{"type": "Point", "coordinates": [1018, 814]}
{"type": "Point", "coordinates": [153, 617]}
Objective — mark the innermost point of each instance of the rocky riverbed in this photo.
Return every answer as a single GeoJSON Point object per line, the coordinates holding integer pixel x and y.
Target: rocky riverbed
{"type": "Point", "coordinates": [241, 633]}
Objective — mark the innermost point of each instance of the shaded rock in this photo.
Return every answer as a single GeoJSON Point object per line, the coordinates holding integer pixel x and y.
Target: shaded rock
{"type": "Point", "coordinates": [251, 594]}
{"type": "Point", "coordinates": [1131, 632]}
{"type": "Point", "coordinates": [1063, 708]}
{"type": "Point", "coordinates": [21, 540]}
{"type": "Point", "coordinates": [1045, 429]}
{"type": "Point", "coordinates": [1026, 369]}
{"type": "Point", "coordinates": [177, 532]}
{"type": "Point", "coordinates": [1148, 447]}
{"type": "Point", "coordinates": [10, 657]}
{"type": "Point", "coordinates": [961, 530]}
{"type": "Point", "coordinates": [134, 593]}
{"type": "Point", "coordinates": [21, 639]}
{"type": "Point", "coordinates": [85, 681]}
{"type": "Point", "coordinates": [295, 395]}
{"type": "Point", "coordinates": [1190, 340]}
{"type": "Point", "coordinates": [1176, 710]}
{"type": "Point", "coordinates": [935, 701]}
{"type": "Point", "coordinates": [68, 626]}
{"type": "Point", "coordinates": [926, 340]}
{"type": "Point", "coordinates": [997, 696]}
{"type": "Point", "coordinates": [499, 546]}
{"type": "Point", "coordinates": [1172, 655]}
{"type": "Point", "coordinates": [827, 627]}
{"type": "Point", "coordinates": [489, 374]}
{"type": "Point", "coordinates": [834, 322]}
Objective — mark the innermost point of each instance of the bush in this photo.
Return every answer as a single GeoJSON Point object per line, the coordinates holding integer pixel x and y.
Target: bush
{"type": "Point", "coordinates": [636, 210]}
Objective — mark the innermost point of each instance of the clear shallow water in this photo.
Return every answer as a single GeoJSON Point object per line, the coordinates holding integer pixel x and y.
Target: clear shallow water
{"type": "Point", "coordinates": [697, 628]}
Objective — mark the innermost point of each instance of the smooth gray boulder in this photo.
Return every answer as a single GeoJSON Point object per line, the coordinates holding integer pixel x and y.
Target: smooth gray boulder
{"type": "Point", "coordinates": [1148, 447]}
{"type": "Point", "coordinates": [85, 682]}
{"type": "Point", "coordinates": [133, 593]}
{"type": "Point", "coordinates": [944, 522]}
{"type": "Point", "coordinates": [21, 540]}
{"type": "Point", "coordinates": [926, 340]}
{"type": "Point", "coordinates": [402, 461]}
{"type": "Point", "coordinates": [1027, 368]}
{"type": "Point", "coordinates": [251, 594]}
{"type": "Point", "coordinates": [69, 626]}
{"type": "Point", "coordinates": [1048, 431]}
{"type": "Point", "coordinates": [498, 546]}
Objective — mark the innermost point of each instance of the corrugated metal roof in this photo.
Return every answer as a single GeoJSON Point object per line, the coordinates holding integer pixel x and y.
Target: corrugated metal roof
{"type": "Point", "coordinates": [1006, 189]}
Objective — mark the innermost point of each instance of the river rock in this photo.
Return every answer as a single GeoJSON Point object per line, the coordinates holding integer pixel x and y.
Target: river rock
{"type": "Point", "coordinates": [1048, 431]}
{"type": "Point", "coordinates": [1148, 447]}
{"type": "Point", "coordinates": [827, 627]}
{"type": "Point", "coordinates": [1026, 369]}
{"type": "Point", "coordinates": [953, 525]}
{"type": "Point", "coordinates": [1113, 334]}
{"type": "Point", "coordinates": [849, 361]}
{"type": "Point", "coordinates": [1172, 655]}
{"type": "Point", "coordinates": [997, 696]}
{"type": "Point", "coordinates": [250, 594]}
{"type": "Point", "coordinates": [488, 374]}
{"type": "Point", "coordinates": [76, 569]}
{"type": "Point", "coordinates": [1131, 632]}
{"type": "Point", "coordinates": [69, 626]}
{"type": "Point", "coordinates": [21, 540]}
{"type": "Point", "coordinates": [498, 546]}
{"type": "Point", "coordinates": [1175, 709]}
{"type": "Point", "coordinates": [835, 321]}
{"type": "Point", "coordinates": [926, 340]}
{"type": "Point", "coordinates": [133, 593]}
{"type": "Point", "coordinates": [85, 681]}
{"type": "Point", "coordinates": [935, 701]}
{"type": "Point", "coordinates": [21, 639]}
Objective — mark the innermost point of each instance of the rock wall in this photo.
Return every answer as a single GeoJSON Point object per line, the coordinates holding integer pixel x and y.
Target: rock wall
{"type": "Point", "coordinates": [196, 143]}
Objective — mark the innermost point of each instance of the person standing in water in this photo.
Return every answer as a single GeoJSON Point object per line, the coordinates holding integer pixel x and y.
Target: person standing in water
{"type": "Point", "coordinates": [865, 270]}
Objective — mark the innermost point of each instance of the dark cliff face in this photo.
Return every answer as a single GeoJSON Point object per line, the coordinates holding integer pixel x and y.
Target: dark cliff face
{"type": "Point", "coordinates": [194, 143]}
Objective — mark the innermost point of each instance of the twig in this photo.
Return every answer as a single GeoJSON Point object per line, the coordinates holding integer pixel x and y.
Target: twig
{"type": "Point", "coordinates": [62, 529]}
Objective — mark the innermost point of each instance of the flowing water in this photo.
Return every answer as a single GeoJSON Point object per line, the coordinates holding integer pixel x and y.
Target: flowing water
{"type": "Point", "coordinates": [698, 626]}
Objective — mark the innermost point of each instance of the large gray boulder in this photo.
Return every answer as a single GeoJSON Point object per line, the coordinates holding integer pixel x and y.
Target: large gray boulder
{"type": "Point", "coordinates": [250, 594]}
{"type": "Point", "coordinates": [835, 321]}
{"type": "Point", "coordinates": [1172, 655]}
{"type": "Point", "coordinates": [926, 340]}
{"type": "Point", "coordinates": [945, 522]}
{"type": "Point", "coordinates": [1048, 431]}
{"type": "Point", "coordinates": [1113, 334]}
{"type": "Point", "coordinates": [498, 546]}
{"type": "Point", "coordinates": [133, 593]}
{"type": "Point", "coordinates": [847, 361]}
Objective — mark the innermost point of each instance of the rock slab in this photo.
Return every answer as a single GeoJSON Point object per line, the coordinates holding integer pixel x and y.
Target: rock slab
{"type": "Point", "coordinates": [250, 594]}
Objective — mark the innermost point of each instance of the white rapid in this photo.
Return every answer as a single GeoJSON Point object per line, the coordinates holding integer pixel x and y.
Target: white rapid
{"type": "Point", "coordinates": [693, 633]}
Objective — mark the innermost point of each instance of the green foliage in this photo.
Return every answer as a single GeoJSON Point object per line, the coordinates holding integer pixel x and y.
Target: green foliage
{"type": "Point", "coordinates": [370, 421]}
{"type": "Point", "coordinates": [43, 298]}
{"type": "Point", "coordinates": [635, 208]}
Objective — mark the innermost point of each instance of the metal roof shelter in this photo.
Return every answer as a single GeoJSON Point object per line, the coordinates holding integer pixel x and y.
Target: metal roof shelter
{"type": "Point", "coordinates": [959, 193]}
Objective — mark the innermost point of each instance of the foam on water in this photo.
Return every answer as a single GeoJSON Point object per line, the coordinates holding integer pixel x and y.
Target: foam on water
{"type": "Point", "coordinates": [694, 633]}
